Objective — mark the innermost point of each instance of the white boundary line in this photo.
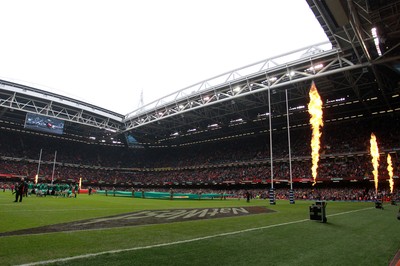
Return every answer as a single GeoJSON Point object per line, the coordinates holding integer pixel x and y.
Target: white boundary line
{"type": "Point", "coordinates": [176, 242]}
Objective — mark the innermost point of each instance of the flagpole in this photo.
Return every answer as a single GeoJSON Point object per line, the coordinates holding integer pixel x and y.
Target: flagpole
{"type": "Point", "coordinates": [54, 166]}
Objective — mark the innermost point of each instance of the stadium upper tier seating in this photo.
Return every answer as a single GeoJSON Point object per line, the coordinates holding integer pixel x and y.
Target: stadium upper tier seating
{"type": "Point", "coordinates": [344, 156]}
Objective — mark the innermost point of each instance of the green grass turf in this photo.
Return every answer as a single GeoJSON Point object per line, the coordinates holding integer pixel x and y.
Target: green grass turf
{"type": "Point", "coordinates": [367, 236]}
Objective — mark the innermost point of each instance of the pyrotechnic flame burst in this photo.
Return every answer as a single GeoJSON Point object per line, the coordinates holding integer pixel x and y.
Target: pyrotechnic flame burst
{"type": "Point", "coordinates": [315, 111]}
{"type": "Point", "coordinates": [375, 159]}
{"type": "Point", "coordinates": [36, 179]}
{"type": "Point", "coordinates": [80, 183]}
{"type": "Point", "coordinates": [390, 172]}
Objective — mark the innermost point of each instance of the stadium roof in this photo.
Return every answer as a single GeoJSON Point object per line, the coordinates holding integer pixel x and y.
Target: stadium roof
{"type": "Point", "coordinates": [357, 76]}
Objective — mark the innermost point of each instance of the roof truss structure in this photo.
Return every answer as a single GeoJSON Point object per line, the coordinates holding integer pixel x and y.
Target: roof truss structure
{"type": "Point", "coordinates": [353, 78]}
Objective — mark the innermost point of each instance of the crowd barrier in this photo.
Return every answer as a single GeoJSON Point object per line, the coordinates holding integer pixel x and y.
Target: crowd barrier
{"type": "Point", "coordinates": [161, 195]}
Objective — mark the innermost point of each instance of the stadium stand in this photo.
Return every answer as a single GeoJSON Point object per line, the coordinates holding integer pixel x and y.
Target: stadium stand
{"type": "Point", "coordinates": [221, 135]}
{"type": "Point", "coordinates": [232, 165]}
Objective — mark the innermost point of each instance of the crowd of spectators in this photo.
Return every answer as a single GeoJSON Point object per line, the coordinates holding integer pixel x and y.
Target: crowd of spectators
{"type": "Point", "coordinates": [344, 156]}
{"type": "Point", "coordinates": [354, 168]}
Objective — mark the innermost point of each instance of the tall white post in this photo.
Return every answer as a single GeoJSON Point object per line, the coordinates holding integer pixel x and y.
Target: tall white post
{"type": "Point", "coordinates": [38, 168]}
{"type": "Point", "coordinates": [54, 166]}
{"type": "Point", "coordinates": [270, 137]}
{"type": "Point", "coordinates": [288, 135]}
{"type": "Point", "coordinates": [271, 191]}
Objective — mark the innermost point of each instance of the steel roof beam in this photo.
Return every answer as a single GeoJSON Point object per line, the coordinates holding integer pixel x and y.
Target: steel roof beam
{"type": "Point", "coordinates": [282, 76]}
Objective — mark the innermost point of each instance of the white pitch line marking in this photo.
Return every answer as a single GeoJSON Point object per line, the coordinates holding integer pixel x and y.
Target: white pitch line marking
{"type": "Point", "coordinates": [176, 242]}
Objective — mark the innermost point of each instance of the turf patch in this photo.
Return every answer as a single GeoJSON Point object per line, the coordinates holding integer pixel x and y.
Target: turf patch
{"type": "Point", "coordinates": [144, 217]}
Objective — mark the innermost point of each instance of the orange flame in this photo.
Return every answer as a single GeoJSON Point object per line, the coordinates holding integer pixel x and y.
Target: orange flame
{"type": "Point", "coordinates": [36, 179]}
{"type": "Point", "coordinates": [80, 183]}
{"type": "Point", "coordinates": [390, 171]}
{"type": "Point", "coordinates": [315, 111]}
{"type": "Point", "coordinates": [375, 159]}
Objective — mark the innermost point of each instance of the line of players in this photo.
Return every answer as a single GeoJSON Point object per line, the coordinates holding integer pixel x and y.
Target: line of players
{"type": "Point", "coordinates": [23, 189]}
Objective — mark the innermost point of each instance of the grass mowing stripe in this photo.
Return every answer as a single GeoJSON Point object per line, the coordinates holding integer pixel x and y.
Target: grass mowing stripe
{"type": "Point", "coordinates": [179, 242]}
{"type": "Point", "coordinates": [63, 210]}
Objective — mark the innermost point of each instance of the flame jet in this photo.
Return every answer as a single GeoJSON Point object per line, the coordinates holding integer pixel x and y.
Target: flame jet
{"type": "Point", "coordinates": [315, 111]}
{"type": "Point", "coordinates": [390, 172]}
{"type": "Point", "coordinates": [375, 159]}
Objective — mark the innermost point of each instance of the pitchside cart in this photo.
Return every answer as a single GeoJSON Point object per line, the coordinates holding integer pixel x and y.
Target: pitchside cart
{"type": "Point", "coordinates": [318, 211]}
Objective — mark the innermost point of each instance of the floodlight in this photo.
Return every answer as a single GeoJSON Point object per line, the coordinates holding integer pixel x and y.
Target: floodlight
{"type": "Point", "coordinates": [376, 40]}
